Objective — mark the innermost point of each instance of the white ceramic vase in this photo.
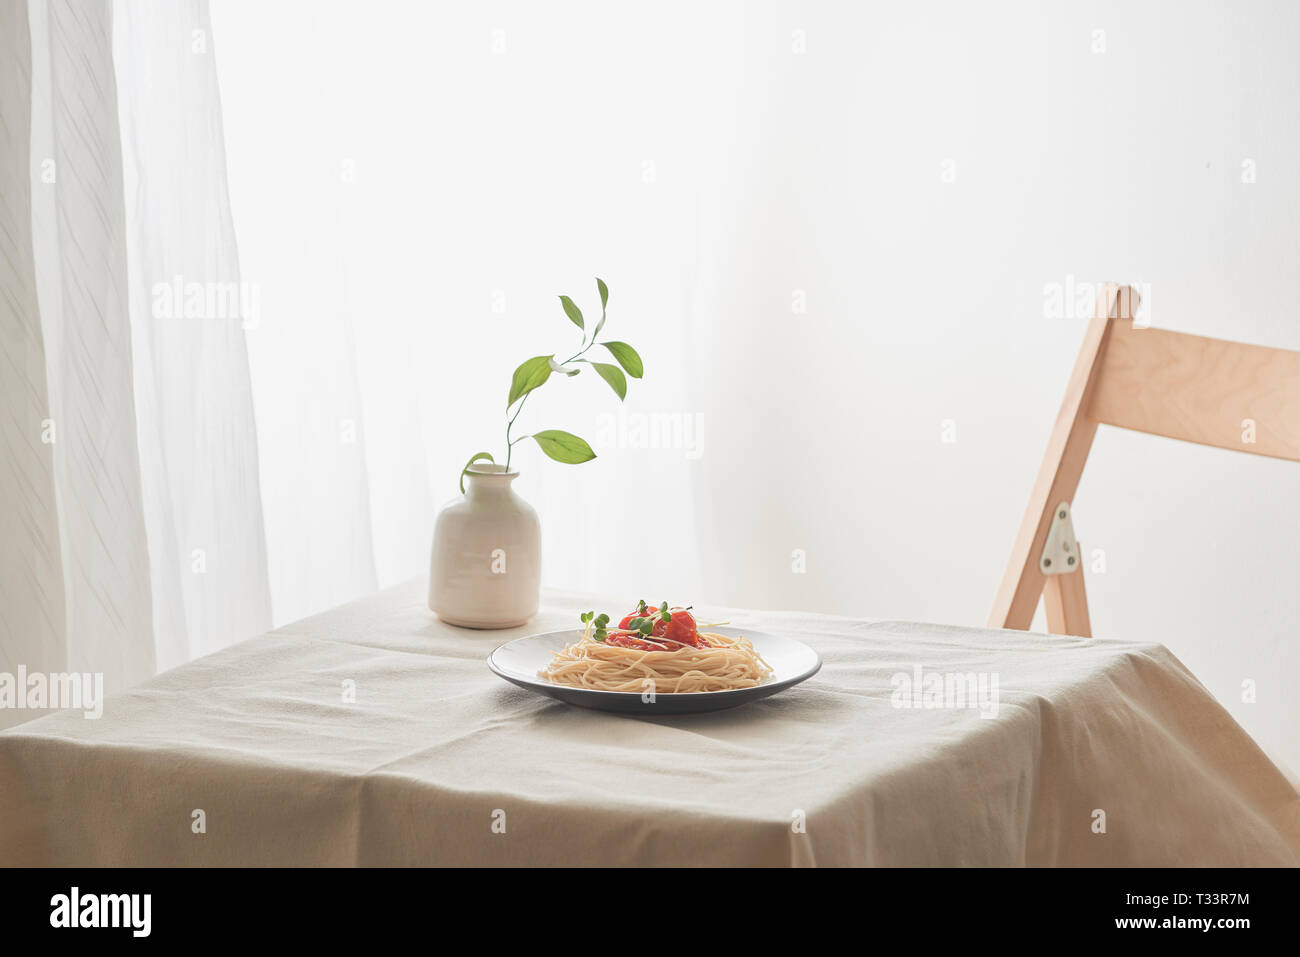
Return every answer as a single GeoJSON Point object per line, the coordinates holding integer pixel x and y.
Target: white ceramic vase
{"type": "Point", "coordinates": [486, 570]}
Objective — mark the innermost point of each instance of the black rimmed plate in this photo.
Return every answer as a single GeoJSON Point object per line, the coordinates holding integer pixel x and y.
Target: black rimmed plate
{"type": "Point", "coordinates": [520, 660]}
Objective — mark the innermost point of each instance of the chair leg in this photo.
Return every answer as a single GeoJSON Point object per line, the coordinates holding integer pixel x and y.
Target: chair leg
{"type": "Point", "coordinates": [1058, 476]}
{"type": "Point", "coordinates": [1066, 604]}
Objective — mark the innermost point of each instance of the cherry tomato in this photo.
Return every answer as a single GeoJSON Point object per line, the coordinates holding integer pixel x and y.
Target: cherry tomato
{"type": "Point", "coordinates": [682, 628]}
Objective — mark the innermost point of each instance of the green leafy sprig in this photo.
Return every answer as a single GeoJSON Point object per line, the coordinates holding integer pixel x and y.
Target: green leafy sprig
{"type": "Point", "coordinates": [533, 373]}
{"type": "Point", "coordinates": [646, 621]}
{"type": "Point", "coordinates": [643, 623]}
{"type": "Point", "coordinates": [598, 623]}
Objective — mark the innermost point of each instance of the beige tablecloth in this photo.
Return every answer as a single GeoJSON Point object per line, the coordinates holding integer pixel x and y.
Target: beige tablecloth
{"type": "Point", "coordinates": [1101, 752]}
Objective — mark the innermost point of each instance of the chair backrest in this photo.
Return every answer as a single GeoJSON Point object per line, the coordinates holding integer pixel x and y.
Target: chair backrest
{"type": "Point", "coordinates": [1211, 391]}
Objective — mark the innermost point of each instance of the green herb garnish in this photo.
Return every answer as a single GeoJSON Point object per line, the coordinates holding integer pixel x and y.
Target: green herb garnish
{"type": "Point", "coordinates": [597, 622]}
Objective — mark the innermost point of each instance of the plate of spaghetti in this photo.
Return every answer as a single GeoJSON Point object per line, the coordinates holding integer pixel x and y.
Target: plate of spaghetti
{"type": "Point", "coordinates": [655, 660]}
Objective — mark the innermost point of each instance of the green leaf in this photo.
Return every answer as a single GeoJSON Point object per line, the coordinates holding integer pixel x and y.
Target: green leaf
{"type": "Point", "coordinates": [530, 374]}
{"type": "Point", "coordinates": [611, 374]}
{"type": "Point", "coordinates": [478, 456]}
{"type": "Point", "coordinates": [626, 357]}
{"type": "Point", "coordinates": [604, 301]}
{"type": "Point", "coordinates": [564, 446]}
{"type": "Point", "coordinates": [573, 312]}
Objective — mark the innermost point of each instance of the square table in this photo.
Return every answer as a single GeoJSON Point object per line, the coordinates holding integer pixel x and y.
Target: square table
{"type": "Point", "coordinates": [1099, 753]}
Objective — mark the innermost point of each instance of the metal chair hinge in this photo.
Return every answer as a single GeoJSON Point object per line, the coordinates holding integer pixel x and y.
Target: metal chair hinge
{"type": "Point", "coordinates": [1061, 550]}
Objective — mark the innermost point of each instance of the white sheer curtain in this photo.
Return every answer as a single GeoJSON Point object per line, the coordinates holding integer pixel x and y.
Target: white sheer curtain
{"type": "Point", "coordinates": [411, 196]}
{"type": "Point", "coordinates": [128, 489]}
{"type": "Point", "coordinates": [194, 409]}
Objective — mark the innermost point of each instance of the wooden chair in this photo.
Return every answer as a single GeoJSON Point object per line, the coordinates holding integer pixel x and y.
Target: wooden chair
{"type": "Point", "coordinates": [1225, 394]}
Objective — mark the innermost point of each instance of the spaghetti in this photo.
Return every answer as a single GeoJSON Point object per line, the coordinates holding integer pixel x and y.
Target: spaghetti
{"type": "Point", "coordinates": [660, 651]}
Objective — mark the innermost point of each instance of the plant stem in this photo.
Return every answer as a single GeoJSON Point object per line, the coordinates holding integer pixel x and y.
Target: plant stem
{"type": "Point", "coordinates": [510, 446]}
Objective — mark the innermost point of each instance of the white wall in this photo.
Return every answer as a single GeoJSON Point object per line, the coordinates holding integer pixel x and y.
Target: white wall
{"type": "Point", "coordinates": [918, 174]}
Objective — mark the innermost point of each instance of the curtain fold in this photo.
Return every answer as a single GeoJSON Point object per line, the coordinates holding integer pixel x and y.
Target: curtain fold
{"type": "Point", "coordinates": [32, 624]}
{"type": "Point", "coordinates": [130, 508]}
{"type": "Point", "coordinates": [189, 313]}
{"type": "Point", "coordinates": [79, 241]}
